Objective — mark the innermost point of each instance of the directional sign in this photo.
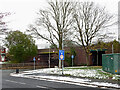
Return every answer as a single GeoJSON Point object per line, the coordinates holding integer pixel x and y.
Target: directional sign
{"type": "Point", "coordinates": [61, 54]}
{"type": "Point", "coordinates": [34, 62]}
{"type": "Point", "coordinates": [72, 56]}
{"type": "Point", "coordinates": [72, 59]}
{"type": "Point", "coordinates": [34, 59]}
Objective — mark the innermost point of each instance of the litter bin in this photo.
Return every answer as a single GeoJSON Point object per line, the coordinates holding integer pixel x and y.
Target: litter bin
{"type": "Point", "coordinates": [111, 63]}
{"type": "Point", "coordinates": [17, 70]}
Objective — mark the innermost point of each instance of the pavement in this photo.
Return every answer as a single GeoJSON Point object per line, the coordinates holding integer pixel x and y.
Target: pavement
{"type": "Point", "coordinates": [97, 83]}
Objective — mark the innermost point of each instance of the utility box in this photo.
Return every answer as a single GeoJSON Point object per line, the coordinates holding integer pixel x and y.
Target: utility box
{"type": "Point", "coordinates": [111, 63]}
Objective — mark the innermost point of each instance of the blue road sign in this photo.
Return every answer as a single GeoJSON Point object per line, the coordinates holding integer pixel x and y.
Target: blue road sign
{"type": "Point", "coordinates": [34, 59]}
{"type": "Point", "coordinates": [72, 56]}
{"type": "Point", "coordinates": [61, 54]}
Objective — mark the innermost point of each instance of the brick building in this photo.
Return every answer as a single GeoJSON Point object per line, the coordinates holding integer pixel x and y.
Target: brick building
{"type": "Point", "coordinates": [80, 59]}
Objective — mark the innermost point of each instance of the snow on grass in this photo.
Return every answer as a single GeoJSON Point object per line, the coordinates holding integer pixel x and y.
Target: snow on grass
{"type": "Point", "coordinates": [79, 72]}
{"type": "Point", "coordinates": [97, 73]}
{"type": "Point", "coordinates": [91, 73]}
{"type": "Point", "coordinates": [64, 79]}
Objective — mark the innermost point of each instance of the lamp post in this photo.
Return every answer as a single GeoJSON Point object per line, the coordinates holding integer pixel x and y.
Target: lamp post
{"type": "Point", "coordinates": [112, 49]}
{"type": "Point", "coordinates": [49, 56]}
{"type": "Point", "coordinates": [64, 55]}
{"type": "Point", "coordinates": [97, 57]}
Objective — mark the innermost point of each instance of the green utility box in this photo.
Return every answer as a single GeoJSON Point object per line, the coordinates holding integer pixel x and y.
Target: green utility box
{"type": "Point", "coordinates": [111, 63]}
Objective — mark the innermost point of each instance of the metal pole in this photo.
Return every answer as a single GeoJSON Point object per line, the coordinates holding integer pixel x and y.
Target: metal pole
{"type": "Point", "coordinates": [112, 49]}
{"type": "Point", "coordinates": [64, 55]}
{"type": "Point", "coordinates": [62, 67]}
{"type": "Point", "coordinates": [59, 63]}
{"type": "Point", "coordinates": [97, 57]}
{"type": "Point", "coordinates": [34, 64]}
{"type": "Point", "coordinates": [72, 62]}
{"type": "Point", "coordinates": [49, 57]}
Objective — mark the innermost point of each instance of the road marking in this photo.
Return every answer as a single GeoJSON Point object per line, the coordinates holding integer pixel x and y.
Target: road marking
{"type": "Point", "coordinates": [15, 82]}
{"type": "Point", "coordinates": [41, 86]}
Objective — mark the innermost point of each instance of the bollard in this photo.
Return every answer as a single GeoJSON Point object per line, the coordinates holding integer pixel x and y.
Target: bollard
{"type": "Point", "coordinates": [17, 70]}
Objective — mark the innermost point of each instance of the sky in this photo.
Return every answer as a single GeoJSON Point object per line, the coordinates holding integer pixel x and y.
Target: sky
{"type": "Point", "coordinates": [23, 12]}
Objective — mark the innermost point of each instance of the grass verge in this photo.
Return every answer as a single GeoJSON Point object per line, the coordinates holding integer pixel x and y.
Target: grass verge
{"type": "Point", "coordinates": [95, 72]}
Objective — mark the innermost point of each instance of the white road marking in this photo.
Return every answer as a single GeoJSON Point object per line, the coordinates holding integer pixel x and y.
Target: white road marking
{"type": "Point", "coordinates": [41, 86]}
{"type": "Point", "coordinates": [15, 82]}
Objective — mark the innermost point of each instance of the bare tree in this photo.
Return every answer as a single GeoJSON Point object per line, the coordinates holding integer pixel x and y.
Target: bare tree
{"type": "Point", "coordinates": [3, 26]}
{"type": "Point", "coordinates": [119, 37]}
{"type": "Point", "coordinates": [54, 24]}
{"type": "Point", "coordinates": [119, 21]}
{"type": "Point", "coordinates": [89, 20]}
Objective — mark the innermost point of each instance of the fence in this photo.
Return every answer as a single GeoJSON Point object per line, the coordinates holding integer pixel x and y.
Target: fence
{"type": "Point", "coordinates": [24, 65]}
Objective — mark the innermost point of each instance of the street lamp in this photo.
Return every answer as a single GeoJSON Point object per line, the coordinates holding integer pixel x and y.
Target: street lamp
{"type": "Point", "coordinates": [49, 55]}
{"type": "Point", "coordinates": [112, 48]}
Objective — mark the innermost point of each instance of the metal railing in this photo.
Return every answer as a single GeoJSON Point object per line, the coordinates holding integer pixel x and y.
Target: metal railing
{"type": "Point", "coordinates": [24, 65]}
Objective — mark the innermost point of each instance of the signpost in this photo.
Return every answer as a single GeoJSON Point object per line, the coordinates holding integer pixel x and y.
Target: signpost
{"type": "Point", "coordinates": [61, 54]}
{"type": "Point", "coordinates": [61, 57]}
{"type": "Point", "coordinates": [72, 59]}
{"type": "Point", "coordinates": [34, 62]}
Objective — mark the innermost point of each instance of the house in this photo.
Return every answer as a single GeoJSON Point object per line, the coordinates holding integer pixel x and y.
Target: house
{"type": "Point", "coordinates": [2, 54]}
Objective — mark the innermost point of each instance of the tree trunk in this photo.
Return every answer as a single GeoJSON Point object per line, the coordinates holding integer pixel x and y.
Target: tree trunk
{"type": "Point", "coordinates": [60, 48]}
{"type": "Point", "coordinates": [87, 59]}
{"type": "Point", "coordinates": [87, 54]}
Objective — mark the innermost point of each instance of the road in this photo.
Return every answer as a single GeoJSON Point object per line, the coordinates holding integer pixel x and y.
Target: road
{"type": "Point", "coordinates": [33, 84]}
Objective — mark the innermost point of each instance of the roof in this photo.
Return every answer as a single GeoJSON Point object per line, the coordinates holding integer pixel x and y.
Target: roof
{"type": "Point", "coordinates": [52, 52]}
{"type": "Point", "coordinates": [98, 49]}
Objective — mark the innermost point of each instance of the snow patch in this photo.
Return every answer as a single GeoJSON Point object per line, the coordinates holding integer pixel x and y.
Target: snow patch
{"type": "Point", "coordinates": [73, 72]}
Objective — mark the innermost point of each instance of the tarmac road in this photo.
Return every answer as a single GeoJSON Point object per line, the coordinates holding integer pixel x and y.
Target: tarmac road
{"type": "Point", "coordinates": [18, 83]}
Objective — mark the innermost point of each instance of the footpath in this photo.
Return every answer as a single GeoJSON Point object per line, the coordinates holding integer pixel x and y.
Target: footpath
{"type": "Point", "coordinates": [40, 75]}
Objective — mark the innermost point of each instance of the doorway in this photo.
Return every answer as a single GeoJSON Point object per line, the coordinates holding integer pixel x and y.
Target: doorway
{"type": "Point", "coordinates": [97, 57]}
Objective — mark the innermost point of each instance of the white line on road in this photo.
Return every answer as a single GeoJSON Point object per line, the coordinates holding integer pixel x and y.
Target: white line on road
{"type": "Point", "coordinates": [41, 87]}
{"type": "Point", "coordinates": [15, 82]}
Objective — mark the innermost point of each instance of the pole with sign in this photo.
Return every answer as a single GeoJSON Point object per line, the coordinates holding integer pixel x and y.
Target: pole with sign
{"type": "Point", "coordinates": [72, 59]}
{"type": "Point", "coordinates": [34, 62]}
{"type": "Point", "coordinates": [61, 57]}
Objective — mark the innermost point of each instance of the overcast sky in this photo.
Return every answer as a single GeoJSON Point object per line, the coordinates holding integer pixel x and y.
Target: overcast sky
{"type": "Point", "coordinates": [23, 12]}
